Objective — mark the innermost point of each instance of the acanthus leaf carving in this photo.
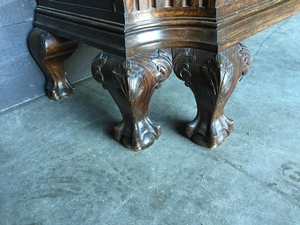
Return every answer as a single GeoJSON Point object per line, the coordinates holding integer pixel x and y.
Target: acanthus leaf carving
{"type": "Point", "coordinates": [129, 79]}
{"type": "Point", "coordinates": [217, 72]}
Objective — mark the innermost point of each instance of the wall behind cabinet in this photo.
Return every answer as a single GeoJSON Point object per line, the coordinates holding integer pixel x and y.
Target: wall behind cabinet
{"type": "Point", "coordinates": [20, 77]}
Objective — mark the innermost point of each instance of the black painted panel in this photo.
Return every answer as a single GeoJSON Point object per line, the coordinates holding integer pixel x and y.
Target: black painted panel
{"type": "Point", "coordinates": [111, 5]}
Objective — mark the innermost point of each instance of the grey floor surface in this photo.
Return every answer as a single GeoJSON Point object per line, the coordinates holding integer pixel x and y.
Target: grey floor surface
{"type": "Point", "coordinates": [59, 163]}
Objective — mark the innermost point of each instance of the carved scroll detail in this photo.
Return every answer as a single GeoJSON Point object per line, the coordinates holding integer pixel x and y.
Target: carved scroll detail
{"type": "Point", "coordinates": [246, 58]}
{"type": "Point", "coordinates": [182, 61]}
{"type": "Point", "coordinates": [163, 64]}
{"type": "Point", "coordinates": [131, 82]}
{"type": "Point", "coordinates": [97, 64]}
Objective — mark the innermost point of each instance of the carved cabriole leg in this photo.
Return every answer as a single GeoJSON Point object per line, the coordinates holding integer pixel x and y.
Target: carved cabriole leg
{"type": "Point", "coordinates": [50, 52]}
{"type": "Point", "coordinates": [131, 82]}
{"type": "Point", "coordinates": [212, 78]}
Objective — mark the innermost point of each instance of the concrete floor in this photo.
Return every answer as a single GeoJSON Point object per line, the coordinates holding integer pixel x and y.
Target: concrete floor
{"type": "Point", "coordinates": [59, 163]}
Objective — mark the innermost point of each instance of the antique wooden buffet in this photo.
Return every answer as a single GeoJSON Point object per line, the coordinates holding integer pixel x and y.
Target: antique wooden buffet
{"type": "Point", "coordinates": [142, 41]}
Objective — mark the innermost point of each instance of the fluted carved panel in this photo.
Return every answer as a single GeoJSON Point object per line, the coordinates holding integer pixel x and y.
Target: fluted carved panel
{"type": "Point", "coordinates": [136, 5]}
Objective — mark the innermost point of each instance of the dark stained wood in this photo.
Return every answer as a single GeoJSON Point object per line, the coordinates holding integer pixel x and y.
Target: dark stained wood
{"type": "Point", "coordinates": [136, 38]}
{"type": "Point", "coordinates": [50, 52]}
{"type": "Point", "coordinates": [212, 78]}
{"type": "Point", "coordinates": [131, 82]}
{"type": "Point", "coordinates": [140, 25]}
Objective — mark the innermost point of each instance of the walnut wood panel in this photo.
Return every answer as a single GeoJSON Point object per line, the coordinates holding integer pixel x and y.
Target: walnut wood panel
{"type": "Point", "coordinates": [133, 5]}
{"type": "Point", "coordinates": [151, 24]}
{"type": "Point", "coordinates": [229, 7]}
{"type": "Point", "coordinates": [236, 28]}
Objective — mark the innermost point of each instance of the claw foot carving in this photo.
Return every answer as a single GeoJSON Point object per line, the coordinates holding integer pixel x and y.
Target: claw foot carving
{"type": "Point", "coordinates": [212, 78]}
{"type": "Point", "coordinates": [131, 82]}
